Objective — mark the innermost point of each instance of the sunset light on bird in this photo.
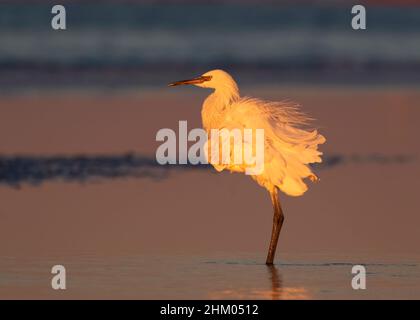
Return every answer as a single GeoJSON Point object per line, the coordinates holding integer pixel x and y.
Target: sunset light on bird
{"type": "Point", "coordinates": [119, 180]}
{"type": "Point", "coordinates": [289, 147]}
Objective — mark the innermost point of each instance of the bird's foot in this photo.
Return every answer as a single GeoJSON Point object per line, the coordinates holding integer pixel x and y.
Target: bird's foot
{"type": "Point", "coordinates": [313, 178]}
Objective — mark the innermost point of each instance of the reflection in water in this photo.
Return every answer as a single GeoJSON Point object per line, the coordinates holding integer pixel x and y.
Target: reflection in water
{"type": "Point", "coordinates": [276, 282]}
{"type": "Point", "coordinates": [275, 291]}
{"type": "Point", "coordinates": [147, 276]}
{"type": "Point", "coordinates": [16, 170]}
{"type": "Point", "coordinates": [278, 291]}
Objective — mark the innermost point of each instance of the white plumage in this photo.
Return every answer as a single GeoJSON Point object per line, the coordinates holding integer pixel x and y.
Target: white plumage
{"type": "Point", "coordinates": [289, 147]}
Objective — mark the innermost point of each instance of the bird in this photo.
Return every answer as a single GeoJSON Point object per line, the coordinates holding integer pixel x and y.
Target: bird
{"type": "Point", "coordinates": [290, 143]}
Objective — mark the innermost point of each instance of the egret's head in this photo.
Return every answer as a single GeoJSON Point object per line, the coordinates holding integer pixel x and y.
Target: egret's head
{"type": "Point", "coordinates": [215, 79]}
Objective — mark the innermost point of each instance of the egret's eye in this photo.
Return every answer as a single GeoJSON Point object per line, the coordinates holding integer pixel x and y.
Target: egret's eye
{"type": "Point", "coordinates": [207, 78]}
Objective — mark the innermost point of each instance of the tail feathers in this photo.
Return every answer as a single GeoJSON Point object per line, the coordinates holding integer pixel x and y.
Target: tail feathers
{"type": "Point", "coordinates": [297, 153]}
{"type": "Point", "coordinates": [292, 186]}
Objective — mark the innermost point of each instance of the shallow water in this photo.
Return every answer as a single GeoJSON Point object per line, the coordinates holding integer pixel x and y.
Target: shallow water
{"type": "Point", "coordinates": [57, 211]}
{"type": "Point", "coordinates": [221, 276]}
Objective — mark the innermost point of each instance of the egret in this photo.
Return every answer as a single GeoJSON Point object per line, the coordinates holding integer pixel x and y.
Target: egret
{"type": "Point", "coordinates": [289, 144]}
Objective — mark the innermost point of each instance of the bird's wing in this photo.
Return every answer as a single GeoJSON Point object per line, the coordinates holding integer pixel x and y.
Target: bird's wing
{"type": "Point", "coordinates": [289, 145]}
{"type": "Point", "coordinates": [251, 110]}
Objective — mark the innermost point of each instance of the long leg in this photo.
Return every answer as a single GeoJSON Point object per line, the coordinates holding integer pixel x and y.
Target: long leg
{"type": "Point", "coordinates": [278, 219]}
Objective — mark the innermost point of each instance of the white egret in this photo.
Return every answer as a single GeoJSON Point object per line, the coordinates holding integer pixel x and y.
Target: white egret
{"type": "Point", "coordinates": [289, 146]}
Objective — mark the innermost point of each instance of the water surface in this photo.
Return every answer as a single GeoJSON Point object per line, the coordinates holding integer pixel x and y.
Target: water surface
{"type": "Point", "coordinates": [190, 276]}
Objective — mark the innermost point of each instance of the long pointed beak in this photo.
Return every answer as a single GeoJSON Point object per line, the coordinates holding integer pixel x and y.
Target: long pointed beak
{"type": "Point", "coordinates": [190, 81]}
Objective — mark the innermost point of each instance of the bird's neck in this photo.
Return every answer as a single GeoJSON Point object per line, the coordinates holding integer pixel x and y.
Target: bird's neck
{"type": "Point", "coordinates": [226, 94]}
{"type": "Point", "coordinates": [216, 104]}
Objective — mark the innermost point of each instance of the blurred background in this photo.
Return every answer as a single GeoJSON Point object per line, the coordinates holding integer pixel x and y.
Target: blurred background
{"type": "Point", "coordinates": [131, 43]}
{"type": "Point", "coordinates": [79, 184]}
